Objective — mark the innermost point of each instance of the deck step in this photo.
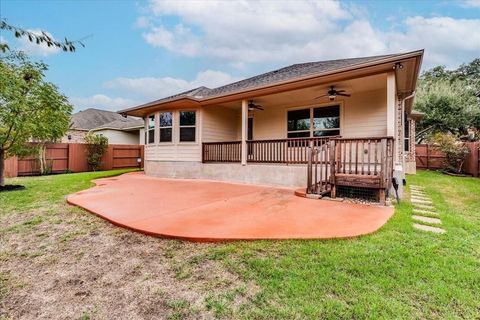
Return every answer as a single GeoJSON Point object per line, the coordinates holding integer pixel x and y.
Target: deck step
{"type": "Point", "coordinates": [428, 228]}
{"type": "Point", "coordinates": [427, 219]}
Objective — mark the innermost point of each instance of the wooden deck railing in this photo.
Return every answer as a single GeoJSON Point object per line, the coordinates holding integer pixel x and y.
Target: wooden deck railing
{"type": "Point", "coordinates": [359, 162]}
{"type": "Point", "coordinates": [228, 151]}
{"type": "Point", "coordinates": [288, 151]}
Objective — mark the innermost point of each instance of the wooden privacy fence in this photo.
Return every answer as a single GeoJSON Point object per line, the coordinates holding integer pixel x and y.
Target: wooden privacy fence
{"type": "Point", "coordinates": [428, 156]}
{"type": "Point", "coordinates": [72, 157]}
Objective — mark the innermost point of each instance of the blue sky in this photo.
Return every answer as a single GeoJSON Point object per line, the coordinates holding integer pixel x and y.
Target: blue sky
{"type": "Point", "coordinates": [137, 51]}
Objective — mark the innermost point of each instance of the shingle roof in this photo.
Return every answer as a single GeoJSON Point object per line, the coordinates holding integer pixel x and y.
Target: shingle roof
{"type": "Point", "coordinates": [290, 73]}
{"type": "Point", "coordinates": [95, 118]}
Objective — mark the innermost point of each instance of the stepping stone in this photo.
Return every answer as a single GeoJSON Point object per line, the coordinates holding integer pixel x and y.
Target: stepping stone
{"type": "Point", "coordinates": [417, 193]}
{"type": "Point", "coordinates": [416, 187]}
{"type": "Point", "coordinates": [423, 207]}
{"type": "Point", "coordinates": [427, 219]}
{"type": "Point", "coordinates": [427, 202]}
{"type": "Point", "coordinates": [424, 212]}
{"type": "Point", "coordinates": [428, 228]}
{"type": "Point", "coordinates": [425, 198]}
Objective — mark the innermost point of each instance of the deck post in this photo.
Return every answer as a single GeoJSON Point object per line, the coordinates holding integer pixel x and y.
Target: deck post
{"type": "Point", "coordinates": [332, 147]}
{"type": "Point", "coordinates": [309, 168]}
{"type": "Point", "coordinates": [244, 131]}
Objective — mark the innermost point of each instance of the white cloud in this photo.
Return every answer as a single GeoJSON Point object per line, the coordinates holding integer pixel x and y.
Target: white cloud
{"type": "Point", "coordinates": [244, 32]}
{"type": "Point", "coordinates": [41, 49]}
{"type": "Point", "coordinates": [447, 41]}
{"type": "Point", "coordinates": [101, 101]}
{"type": "Point", "coordinates": [470, 3]}
{"type": "Point", "coordinates": [154, 88]}
{"type": "Point", "coordinates": [142, 22]}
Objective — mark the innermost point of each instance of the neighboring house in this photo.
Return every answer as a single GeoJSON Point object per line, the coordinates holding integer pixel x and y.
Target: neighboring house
{"type": "Point", "coordinates": [350, 113]}
{"type": "Point", "coordinates": [117, 128]}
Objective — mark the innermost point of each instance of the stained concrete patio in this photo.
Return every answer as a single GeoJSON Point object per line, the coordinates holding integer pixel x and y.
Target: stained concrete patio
{"type": "Point", "coordinates": [200, 210]}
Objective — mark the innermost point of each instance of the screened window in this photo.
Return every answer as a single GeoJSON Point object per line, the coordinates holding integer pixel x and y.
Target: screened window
{"type": "Point", "coordinates": [187, 126]}
{"type": "Point", "coordinates": [165, 124]}
{"type": "Point", "coordinates": [151, 129]}
{"type": "Point", "coordinates": [316, 122]}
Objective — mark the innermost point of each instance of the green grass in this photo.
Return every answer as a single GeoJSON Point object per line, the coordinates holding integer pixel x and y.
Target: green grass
{"type": "Point", "coordinates": [43, 191]}
{"type": "Point", "coordinates": [396, 273]}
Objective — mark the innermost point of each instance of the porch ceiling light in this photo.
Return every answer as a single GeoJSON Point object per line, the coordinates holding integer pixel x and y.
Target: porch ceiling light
{"type": "Point", "coordinates": [398, 66]}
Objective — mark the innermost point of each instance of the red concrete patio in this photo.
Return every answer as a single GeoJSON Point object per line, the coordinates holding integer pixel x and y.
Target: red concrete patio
{"type": "Point", "coordinates": [200, 210]}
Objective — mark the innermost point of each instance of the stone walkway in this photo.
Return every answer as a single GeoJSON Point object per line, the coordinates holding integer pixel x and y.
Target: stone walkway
{"type": "Point", "coordinates": [424, 215]}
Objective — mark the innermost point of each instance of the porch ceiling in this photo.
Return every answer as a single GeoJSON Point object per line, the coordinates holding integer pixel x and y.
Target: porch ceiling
{"type": "Point", "coordinates": [306, 96]}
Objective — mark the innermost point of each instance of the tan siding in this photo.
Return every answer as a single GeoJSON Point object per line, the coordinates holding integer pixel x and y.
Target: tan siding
{"type": "Point", "coordinates": [364, 114]}
{"type": "Point", "coordinates": [219, 124]}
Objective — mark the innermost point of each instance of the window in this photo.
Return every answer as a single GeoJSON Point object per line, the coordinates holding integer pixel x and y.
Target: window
{"type": "Point", "coordinates": [165, 123]}
{"type": "Point", "coordinates": [326, 121]}
{"type": "Point", "coordinates": [316, 122]}
{"type": "Point", "coordinates": [187, 126]}
{"type": "Point", "coordinates": [151, 129]}
{"type": "Point", "coordinates": [298, 123]}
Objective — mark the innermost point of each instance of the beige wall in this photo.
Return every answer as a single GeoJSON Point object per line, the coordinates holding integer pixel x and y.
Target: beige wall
{"type": "Point", "coordinates": [120, 137]}
{"type": "Point", "coordinates": [220, 124]}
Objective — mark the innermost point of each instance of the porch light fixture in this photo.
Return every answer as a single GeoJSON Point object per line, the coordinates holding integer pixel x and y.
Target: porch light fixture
{"type": "Point", "coordinates": [398, 66]}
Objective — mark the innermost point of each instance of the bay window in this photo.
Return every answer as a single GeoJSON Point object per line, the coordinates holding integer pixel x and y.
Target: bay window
{"type": "Point", "coordinates": [165, 124]}
{"type": "Point", "coordinates": [187, 126]}
{"type": "Point", "coordinates": [151, 129]}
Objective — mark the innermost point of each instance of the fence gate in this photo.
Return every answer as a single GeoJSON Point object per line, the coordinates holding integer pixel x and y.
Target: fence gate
{"type": "Point", "coordinates": [125, 156]}
{"type": "Point", "coordinates": [319, 168]}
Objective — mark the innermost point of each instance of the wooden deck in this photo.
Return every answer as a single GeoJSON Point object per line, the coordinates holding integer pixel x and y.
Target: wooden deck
{"type": "Point", "coordinates": [331, 162]}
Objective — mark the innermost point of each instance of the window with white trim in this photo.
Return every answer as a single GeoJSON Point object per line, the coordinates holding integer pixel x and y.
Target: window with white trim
{"type": "Point", "coordinates": [151, 129]}
{"type": "Point", "coordinates": [314, 122]}
{"type": "Point", "coordinates": [188, 123]}
{"type": "Point", "coordinates": [165, 123]}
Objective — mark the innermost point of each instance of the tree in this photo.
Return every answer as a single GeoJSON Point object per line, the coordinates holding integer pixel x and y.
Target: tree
{"type": "Point", "coordinates": [31, 109]}
{"type": "Point", "coordinates": [39, 38]}
{"type": "Point", "coordinates": [96, 148]}
{"type": "Point", "coordinates": [448, 99]}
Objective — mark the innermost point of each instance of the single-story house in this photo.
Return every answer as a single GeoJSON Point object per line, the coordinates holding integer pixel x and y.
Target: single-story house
{"type": "Point", "coordinates": [117, 128]}
{"type": "Point", "coordinates": [332, 127]}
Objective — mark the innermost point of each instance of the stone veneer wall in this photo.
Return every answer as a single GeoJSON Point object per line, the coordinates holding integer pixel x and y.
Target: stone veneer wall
{"type": "Point", "coordinates": [77, 136]}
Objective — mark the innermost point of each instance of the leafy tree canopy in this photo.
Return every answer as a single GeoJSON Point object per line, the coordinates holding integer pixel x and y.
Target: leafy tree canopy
{"type": "Point", "coordinates": [31, 109]}
{"type": "Point", "coordinates": [448, 99]}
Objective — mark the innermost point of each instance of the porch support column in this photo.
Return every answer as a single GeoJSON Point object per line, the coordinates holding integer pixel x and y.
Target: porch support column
{"type": "Point", "coordinates": [244, 131]}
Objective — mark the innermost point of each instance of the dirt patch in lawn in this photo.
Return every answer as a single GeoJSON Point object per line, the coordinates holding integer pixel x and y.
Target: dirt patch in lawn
{"type": "Point", "coordinates": [72, 264]}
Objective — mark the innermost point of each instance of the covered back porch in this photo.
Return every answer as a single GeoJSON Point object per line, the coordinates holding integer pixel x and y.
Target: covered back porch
{"type": "Point", "coordinates": [341, 142]}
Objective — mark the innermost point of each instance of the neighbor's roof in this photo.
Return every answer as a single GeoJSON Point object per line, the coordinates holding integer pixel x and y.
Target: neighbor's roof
{"type": "Point", "coordinates": [286, 74]}
{"type": "Point", "coordinates": [95, 119]}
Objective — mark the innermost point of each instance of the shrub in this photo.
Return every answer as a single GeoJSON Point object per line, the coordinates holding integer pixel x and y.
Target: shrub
{"type": "Point", "coordinates": [96, 147]}
{"type": "Point", "coordinates": [455, 151]}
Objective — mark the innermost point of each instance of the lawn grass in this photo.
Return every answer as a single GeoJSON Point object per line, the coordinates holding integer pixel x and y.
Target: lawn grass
{"type": "Point", "coordinates": [43, 191]}
{"type": "Point", "coordinates": [396, 273]}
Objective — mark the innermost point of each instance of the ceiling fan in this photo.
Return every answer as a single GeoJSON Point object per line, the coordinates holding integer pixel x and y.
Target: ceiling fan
{"type": "Point", "coordinates": [332, 94]}
{"type": "Point", "coordinates": [252, 106]}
